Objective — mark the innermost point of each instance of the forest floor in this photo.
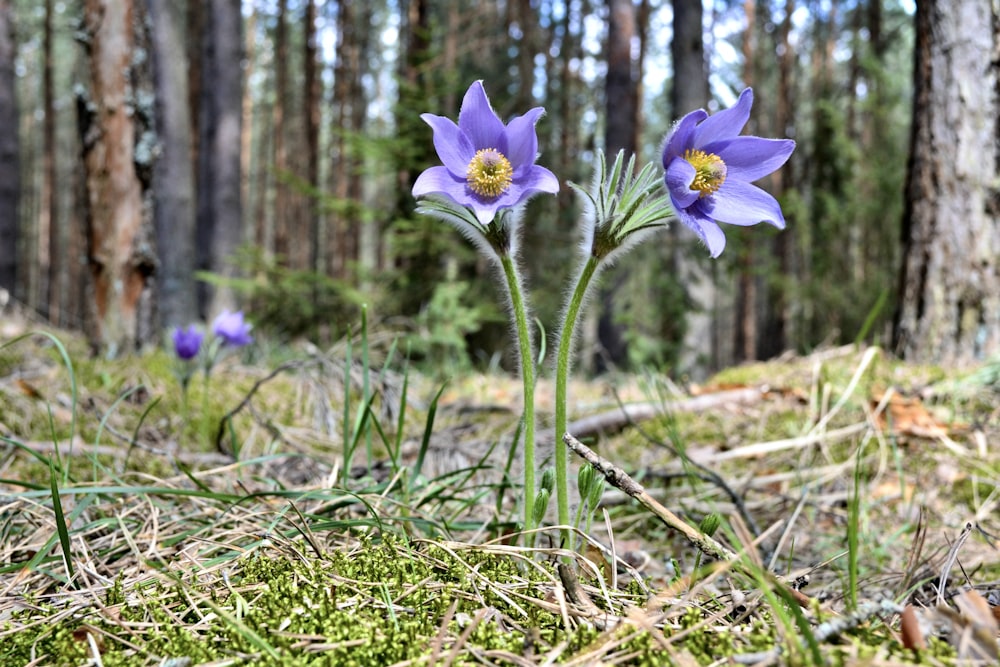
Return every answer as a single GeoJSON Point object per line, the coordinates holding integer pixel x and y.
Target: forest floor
{"type": "Point", "coordinates": [858, 495]}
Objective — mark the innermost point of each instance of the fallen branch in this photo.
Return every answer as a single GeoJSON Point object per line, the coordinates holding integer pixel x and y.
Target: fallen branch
{"type": "Point", "coordinates": [759, 449]}
{"type": "Point", "coordinates": [614, 421]}
{"type": "Point", "coordinates": [278, 370]}
{"type": "Point", "coordinates": [706, 544]}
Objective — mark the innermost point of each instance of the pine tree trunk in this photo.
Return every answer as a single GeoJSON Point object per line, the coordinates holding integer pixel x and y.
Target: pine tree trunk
{"type": "Point", "coordinates": [249, 193]}
{"type": "Point", "coordinates": [311, 117]}
{"type": "Point", "coordinates": [337, 235]}
{"type": "Point", "coordinates": [49, 233]}
{"type": "Point", "coordinates": [282, 222]}
{"type": "Point", "coordinates": [357, 122]}
{"type": "Point", "coordinates": [621, 114]}
{"type": "Point", "coordinates": [745, 343]}
{"type": "Point", "coordinates": [10, 181]}
{"type": "Point", "coordinates": [219, 210]}
{"type": "Point", "coordinates": [120, 262]}
{"type": "Point", "coordinates": [777, 329]}
{"type": "Point", "coordinates": [688, 260]}
{"type": "Point", "coordinates": [949, 311]}
{"type": "Point", "coordinates": [196, 12]}
{"type": "Point", "coordinates": [173, 175]}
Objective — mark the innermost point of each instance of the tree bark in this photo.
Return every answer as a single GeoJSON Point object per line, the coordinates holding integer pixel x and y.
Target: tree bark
{"type": "Point", "coordinates": [249, 192]}
{"type": "Point", "coordinates": [622, 118]}
{"type": "Point", "coordinates": [357, 122]}
{"type": "Point", "coordinates": [949, 312]}
{"type": "Point", "coordinates": [49, 247]}
{"type": "Point", "coordinates": [337, 237]}
{"type": "Point", "coordinates": [687, 258]}
{"type": "Point", "coordinates": [779, 322]}
{"type": "Point", "coordinates": [120, 260]}
{"type": "Point", "coordinates": [745, 343]}
{"type": "Point", "coordinates": [173, 175]}
{"type": "Point", "coordinates": [311, 117]}
{"type": "Point", "coordinates": [687, 51]}
{"type": "Point", "coordinates": [195, 14]}
{"type": "Point", "coordinates": [349, 98]}
{"type": "Point", "coordinates": [219, 211]}
{"type": "Point", "coordinates": [282, 213]}
{"type": "Point", "coordinates": [10, 181]}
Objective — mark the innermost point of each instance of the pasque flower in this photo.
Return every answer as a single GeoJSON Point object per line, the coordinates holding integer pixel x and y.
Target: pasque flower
{"type": "Point", "coordinates": [710, 169]}
{"type": "Point", "coordinates": [487, 165]}
{"type": "Point", "coordinates": [231, 328]}
{"type": "Point", "coordinates": [187, 342]}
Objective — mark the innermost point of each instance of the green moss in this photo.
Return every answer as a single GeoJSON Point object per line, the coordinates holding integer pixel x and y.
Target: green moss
{"type": "Point", "coordinates": [379, 604]}
{"type": "Point", "coordinates": [384, 601]}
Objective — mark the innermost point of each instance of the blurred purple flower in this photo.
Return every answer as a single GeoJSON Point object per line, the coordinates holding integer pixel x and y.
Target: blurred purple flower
{"type": "Point", "coordinates": [187, 342]}
{"type": "Point", "coordinates": [487, 165]}
{"type": "Point", "coordinates": [709, 170]}
{"type": "Point", "coordinates": [231, 328]}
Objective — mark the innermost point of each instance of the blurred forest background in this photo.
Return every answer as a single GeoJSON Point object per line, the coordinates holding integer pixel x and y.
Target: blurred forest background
{"type": "Point", "coordinates": [161, 160]}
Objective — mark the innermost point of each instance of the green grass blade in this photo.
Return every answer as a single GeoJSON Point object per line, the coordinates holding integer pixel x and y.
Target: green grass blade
{"type": "Point", "coordinates": [61, 527]}
{"type": "Point", "coordinates": [401, 418]}
{"type": "Point", "coordinates": [45, 460]}
{"type": "Point", "coordinates": [366, 380]}
{"type": "Point", "coordinates": [853, 536]}
{"type": "Point", "coordinates": [872, 317]}
{"type": "Point", "coordinates": [425, 441]}
{"type": "Point", "coordinates": [346, 424]}
{"type": "Point", "coordinates": [74, 396]}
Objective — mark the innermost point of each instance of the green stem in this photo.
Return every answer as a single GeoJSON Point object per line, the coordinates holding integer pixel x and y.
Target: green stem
{"type": "Point", "coordinates": [203, 422]}
{"type": "Point", "coordinates": [562, 377]}
{"type": "Point", "coordinates": [185, 405]}
{"type": "Point", "coordinates": [528, 380]}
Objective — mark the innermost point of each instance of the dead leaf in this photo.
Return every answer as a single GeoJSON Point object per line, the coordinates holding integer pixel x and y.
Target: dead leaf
{"type": "Point", "coordinates": [28, 389]}
{"type": "Point", "coordinates": [596, 556]}
{"type": "Point", "coordinates": [891, 489]}
{"type": "Point", "coordinates": [913, 638]}
{"type": "Point", "coordinates": [975, 607]}
{"type": "Point", "coordinates": [974, 628]}
{"type": "Point", "coordinates": [908, 416]}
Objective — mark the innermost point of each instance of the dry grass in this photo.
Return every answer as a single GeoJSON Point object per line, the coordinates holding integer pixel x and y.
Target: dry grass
{"type": "Point", "coordinates": [867, 484]}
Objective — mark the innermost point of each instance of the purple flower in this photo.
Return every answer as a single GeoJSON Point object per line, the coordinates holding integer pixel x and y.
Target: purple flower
{"type": "Point", "coordinates": [231, 328]}
{"type": "Point", "coordinates": [187, 342]}
{"type": "Point", "coordinates": [487, 165]}
{"type": "Point", "coordinates": [709, 170]}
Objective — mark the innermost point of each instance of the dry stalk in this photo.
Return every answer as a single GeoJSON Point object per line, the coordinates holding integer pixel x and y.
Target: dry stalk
{"type": "Point", "coordinates": [706, 544]}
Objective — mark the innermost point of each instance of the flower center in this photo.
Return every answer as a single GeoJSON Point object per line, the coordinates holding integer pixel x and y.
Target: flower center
{"type": "Point", "coordinates": [489, 174]}
{"type": "Point", "coordinates": [710, 171]}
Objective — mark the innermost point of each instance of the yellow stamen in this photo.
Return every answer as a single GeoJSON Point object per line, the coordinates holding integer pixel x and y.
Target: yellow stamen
{"type": "Point", "coordinates": [489, 174]}
{"type": "Point", "coordinates": [710, 171]}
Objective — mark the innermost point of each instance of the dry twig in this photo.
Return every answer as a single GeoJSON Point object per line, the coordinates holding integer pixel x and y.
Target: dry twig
{"type": "Point", "coordinates": [706, 544]}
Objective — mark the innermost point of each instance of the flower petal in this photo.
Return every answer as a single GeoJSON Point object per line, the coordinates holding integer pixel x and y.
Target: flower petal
{"type": "Point", "coordinates": [750, 158]}
{"type": "Point", "coordinates": [678, 178]}
{"type": "Point", "coordinates": [485, 210]}
{"type": "Point", "coordinates": [522, 140]}
{"type": "Point", "coordinates": [681, 137]}
{"type": "Point", "coordinates": [540, 179]}
{"type": "Point", "coordinates": [714, 238]}
{"type": "Point", "coordinates": [478, 120]}
{"type": "Point", "coordinates": [725, 124]}
{"type": "Point", "coordinates": [740, 203]}
{"type": "Point", "coordinates": [439, 180]}
{"type": "Point", "coordinates": [451, 144]}
{"type": "Point", "coordinates": [707, 230]}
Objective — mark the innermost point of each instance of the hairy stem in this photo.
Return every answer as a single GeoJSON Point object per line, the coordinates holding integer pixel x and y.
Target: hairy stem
{"type": "Point", "coordinates": [566, 336]}
{"type": "Point", "coordinates": [527, 364]}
